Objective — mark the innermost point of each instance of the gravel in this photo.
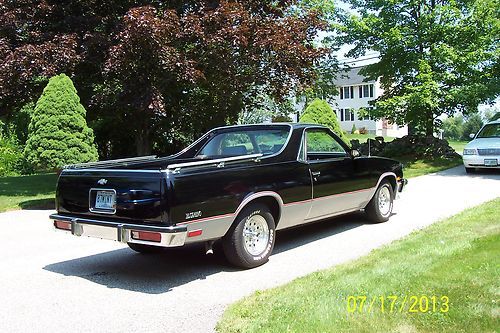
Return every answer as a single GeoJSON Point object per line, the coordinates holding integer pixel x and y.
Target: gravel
{"type": "Point", "coordinates": [51, 281]}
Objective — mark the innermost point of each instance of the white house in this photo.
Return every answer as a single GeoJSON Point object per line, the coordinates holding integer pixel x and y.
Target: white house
{"type": "Point", "coordinates": [355, 93]}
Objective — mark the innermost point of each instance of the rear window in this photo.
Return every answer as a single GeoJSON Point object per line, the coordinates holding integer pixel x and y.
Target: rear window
{"type": "Point", "coordinates": [245, 142]}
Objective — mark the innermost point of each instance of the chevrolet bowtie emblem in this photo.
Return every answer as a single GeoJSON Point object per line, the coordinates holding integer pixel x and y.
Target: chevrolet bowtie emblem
{"type": "Point", "coordinates": [102, 181]}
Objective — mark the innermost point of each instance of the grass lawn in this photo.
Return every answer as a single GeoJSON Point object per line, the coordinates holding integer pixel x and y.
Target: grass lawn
{"type": "Point", "coordinates": [25, 192]}
{"type": "Point", "coordinates": [414, 168]}
{"type": "Point", "coordinates": [458, 145]}
{"type": "Point", "coordinates": [457, 258]}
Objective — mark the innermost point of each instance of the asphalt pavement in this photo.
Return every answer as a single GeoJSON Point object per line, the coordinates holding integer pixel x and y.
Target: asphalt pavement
{"type": "Point", "coordinates": [54, 282]}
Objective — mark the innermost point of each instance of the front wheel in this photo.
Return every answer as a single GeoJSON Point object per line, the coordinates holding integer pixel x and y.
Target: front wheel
{"type": "Point", "coordinates": [470, 170]}
{"type": "Point", "coordinates": [379, 209]}
{"type": "Point", "coordinates": [250, 241]}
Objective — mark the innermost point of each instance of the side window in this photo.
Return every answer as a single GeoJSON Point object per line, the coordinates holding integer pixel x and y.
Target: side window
{"type": "Point", "coordinates": [235, 144]}
{"type": "Point", "coordinates": [228, 144]}
{"type": "Point", "coordinates": [270, 142]}
{"type": "Point", "coordinates": [321, 145]}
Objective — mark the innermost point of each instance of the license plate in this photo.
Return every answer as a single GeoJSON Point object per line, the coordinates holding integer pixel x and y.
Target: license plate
{"type": "Point", "coordinates": [491, 162]}
{"type": "Point", "coordinates": [105, 200]}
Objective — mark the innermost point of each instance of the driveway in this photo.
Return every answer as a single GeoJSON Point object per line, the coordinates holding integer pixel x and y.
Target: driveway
{"type": "Point", "coordinates": [50, 281]}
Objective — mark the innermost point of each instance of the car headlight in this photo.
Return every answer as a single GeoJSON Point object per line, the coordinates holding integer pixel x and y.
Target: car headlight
{"type": "Point", "coordinates": [469, 151]}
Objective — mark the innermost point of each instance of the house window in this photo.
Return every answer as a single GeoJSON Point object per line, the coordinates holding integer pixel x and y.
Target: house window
{"type": "Point", "coordinates": [366, 90]}
{"type": "Point", "coordinates": [348, 115]}
{"type": "Point", "coordinates": [347, 93]}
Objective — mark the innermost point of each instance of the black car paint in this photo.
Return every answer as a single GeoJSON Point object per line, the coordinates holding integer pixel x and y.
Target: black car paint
{"type": "Point", "coordinates": [147, 195]}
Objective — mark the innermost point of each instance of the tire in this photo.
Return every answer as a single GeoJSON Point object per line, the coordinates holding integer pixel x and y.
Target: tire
{"type": "Point", "coordinates": [145, 249]}
{"type": "Point", "coordinates": [257, 223]}
{"type": "Point", "coordinates": [470, 170]}
{"type": "Point", "coordinates": [379, 209]}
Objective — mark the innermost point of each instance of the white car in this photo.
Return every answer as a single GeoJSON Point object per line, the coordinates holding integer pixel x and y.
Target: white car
{"type": "Point", "coordinates": [484, 150]}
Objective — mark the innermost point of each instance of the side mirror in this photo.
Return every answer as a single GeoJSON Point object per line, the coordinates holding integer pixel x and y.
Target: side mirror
{"type": "Point", "coordinates": [355, 153]}
{"type": "Point", "coordinates": [472, 135]}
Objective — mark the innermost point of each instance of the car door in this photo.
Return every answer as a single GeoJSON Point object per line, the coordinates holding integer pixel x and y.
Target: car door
{"type": "Point", "coordinates": [337, 185]}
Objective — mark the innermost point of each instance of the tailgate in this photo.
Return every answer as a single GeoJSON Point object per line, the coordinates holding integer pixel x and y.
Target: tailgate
{"type": "Point", "coordinates": [134, 195]}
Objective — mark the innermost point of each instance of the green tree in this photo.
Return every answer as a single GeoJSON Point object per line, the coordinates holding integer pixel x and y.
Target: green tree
{"type": "Point", "coordinates": [58, 132]}
{"type": "Point", "coordinates": [320, 112]}
{"type": "Point", "coordinates": [435, 56]}
{"type": "Point", "coordinates": [155, 74]}
{"type": "Point", "coordinates": [472, 125]}
{"type": "Point", "coordinates": [453, 127]}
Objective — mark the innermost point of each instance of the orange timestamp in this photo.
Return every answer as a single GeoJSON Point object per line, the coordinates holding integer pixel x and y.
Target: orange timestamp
{"type": "Point", "coordinates": [398, 304]}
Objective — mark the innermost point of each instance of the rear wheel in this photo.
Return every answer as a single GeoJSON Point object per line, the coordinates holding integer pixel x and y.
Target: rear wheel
{"type": "Point", "coordinates": [379, 209]}
{"type": "Point", "coordinates": [250, 240]}
{"type": "Point", "coordinates": [144, 249]}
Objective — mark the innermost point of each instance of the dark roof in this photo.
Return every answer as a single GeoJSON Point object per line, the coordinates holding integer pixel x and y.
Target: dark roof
{"type": "Point", "coordinates": [351, 77]}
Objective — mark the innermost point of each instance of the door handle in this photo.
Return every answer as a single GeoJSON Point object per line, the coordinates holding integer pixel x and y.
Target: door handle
{"type": "Point", "coordinates": [316, 173]}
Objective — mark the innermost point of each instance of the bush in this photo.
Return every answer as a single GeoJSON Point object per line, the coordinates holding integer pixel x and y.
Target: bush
{"type": "Point", "coordinates": [319, 112]}
{"type": "Point", "coordinates": [11, 154]}
{"type": "Point", "coordinates": [416, 147]}
{"type": "Point", "coordinates": [281, 119]}
{"type": "Point", "coordinates": [58, 131]}
{"type": "Point", "coordinates": [353, 129]}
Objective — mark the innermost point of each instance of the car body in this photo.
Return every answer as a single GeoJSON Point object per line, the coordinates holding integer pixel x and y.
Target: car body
{"type": "Point", "coordinates": [237, 184]}
{"type": "Point", "coordinates": [484, 150]}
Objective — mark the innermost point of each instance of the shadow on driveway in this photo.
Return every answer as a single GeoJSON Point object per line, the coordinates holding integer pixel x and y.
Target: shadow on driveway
{"type": "Point", "coordinates": [160, 273]}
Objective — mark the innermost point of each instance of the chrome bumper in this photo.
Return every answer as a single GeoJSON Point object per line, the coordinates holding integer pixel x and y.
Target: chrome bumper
{"type": "Point", "coordinates": [401, 184]}
{"type": "Point", "coordinates": [122, 232]}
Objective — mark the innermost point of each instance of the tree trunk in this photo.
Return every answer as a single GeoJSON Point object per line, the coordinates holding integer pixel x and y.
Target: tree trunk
{"type": "Point", "coordinates": [411, 129]}
{"type": "Point", "coordinates": [143, 142]}
{"type": "Point", "coordinates": [429, 124]}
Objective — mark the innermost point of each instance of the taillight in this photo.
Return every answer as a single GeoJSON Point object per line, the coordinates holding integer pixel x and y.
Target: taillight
{"type": "Point", "coordinates": [195, 233]}
{"type": "Point", "coordinates": [63, 225]}
{"type": "Point", "coordinates": [146, 236]}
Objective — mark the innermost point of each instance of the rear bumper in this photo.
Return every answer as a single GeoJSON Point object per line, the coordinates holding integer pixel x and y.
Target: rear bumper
{"type": "Point", "coordinates": [171, 236]}
{"type": "Point", "coordinates": [401, 184]}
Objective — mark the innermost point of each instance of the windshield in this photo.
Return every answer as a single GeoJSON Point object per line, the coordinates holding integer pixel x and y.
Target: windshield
{"type": "Point", "coordinates": [489, 131]}
{"type": "Point", "coordinates": [245, 142]}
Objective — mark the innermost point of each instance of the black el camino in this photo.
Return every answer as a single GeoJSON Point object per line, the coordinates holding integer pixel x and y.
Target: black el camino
{"type": "Point", "coordinates": [236, 184]}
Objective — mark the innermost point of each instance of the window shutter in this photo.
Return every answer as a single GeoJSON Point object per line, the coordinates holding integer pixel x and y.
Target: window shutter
{"type": "Point", "coordinates": [360, 90]}
{"type": "Point", "coordinates": [341, 114]}
{"type": "Point", "coordinates": [352, 92]}
{"type": "Point", "coordinates": [371, 90]}
{"type": "Point", "coordinates": [341, 93]}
